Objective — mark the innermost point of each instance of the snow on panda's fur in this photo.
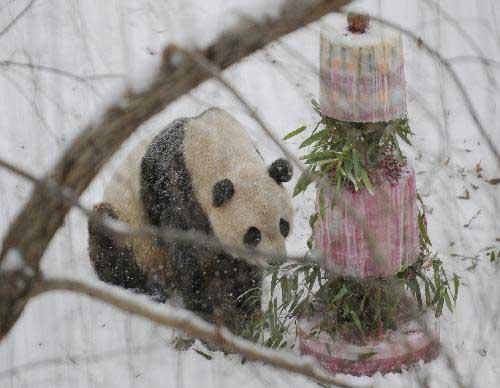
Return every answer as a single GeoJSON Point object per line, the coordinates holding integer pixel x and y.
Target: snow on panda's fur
{"type": "Point", "coordinates": [202, 174]}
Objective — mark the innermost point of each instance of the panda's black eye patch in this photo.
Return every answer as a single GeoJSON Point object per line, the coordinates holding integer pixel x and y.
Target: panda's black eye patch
{"type": "Point", "coordinates": [280, 170]}
{"type": "Point", "coordinates": [222, 192]}
{"type": "Point", "coordinates": [252, 237]}
{"type": "Point", "coordinates": [284, 227]}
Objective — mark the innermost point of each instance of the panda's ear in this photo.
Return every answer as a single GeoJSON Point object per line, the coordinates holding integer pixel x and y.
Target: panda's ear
{"type": "Point", "coordinates": [222, 192]}
{"type": "Point", "coordinates": [280, 170]}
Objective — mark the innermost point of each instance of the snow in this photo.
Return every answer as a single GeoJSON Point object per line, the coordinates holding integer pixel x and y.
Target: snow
{"type": "Point", "coordinates": [13, 261]}
{"type": "Point", "coordinates": [66, 340]}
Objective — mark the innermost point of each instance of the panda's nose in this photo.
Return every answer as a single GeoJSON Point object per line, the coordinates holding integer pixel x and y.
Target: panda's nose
{"type": "Point", "coordinates": [252, 237]}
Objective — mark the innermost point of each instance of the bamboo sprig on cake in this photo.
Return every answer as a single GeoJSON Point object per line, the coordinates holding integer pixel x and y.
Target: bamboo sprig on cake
{"type": "Point", "coordinates": [351, 308]}
{"type": "Point", "coordinates": [351, 153]}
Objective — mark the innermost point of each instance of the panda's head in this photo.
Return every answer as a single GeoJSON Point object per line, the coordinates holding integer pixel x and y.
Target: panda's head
{"type": "Point", "coordinates": [244, 198]}
{"type": "Point", "coordinates": [252, 209]}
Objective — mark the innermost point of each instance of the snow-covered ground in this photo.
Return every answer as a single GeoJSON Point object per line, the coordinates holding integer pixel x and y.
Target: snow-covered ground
{"type": "Point", "coordinates": [67, 340]}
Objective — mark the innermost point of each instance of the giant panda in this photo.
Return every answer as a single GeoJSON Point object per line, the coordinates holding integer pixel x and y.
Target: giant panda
{"type": "Point", "coordinates": [203, 174]}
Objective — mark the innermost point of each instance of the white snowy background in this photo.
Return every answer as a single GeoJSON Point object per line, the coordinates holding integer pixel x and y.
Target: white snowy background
{"type": "Point", "coordinates": [66, 340]}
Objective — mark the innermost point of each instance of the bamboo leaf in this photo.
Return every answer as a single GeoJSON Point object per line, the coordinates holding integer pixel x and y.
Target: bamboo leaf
{"type": "Point", "coordinates": [366, 181]}
{"type": "Point", "coordinates": [456, 284]}
{"type": "Point", "coordinates": [340, 294]}
{"type": "Point", "coordinates": [295, 132]}
{"type": "Point", "coordinates": [274, 280]}
{"type": "Point", "coordinates": [352, 179]}
{"type": "Point", "coordinates": [423, 228]}
{"type": "Point", "coordinates": [313, 138]}
{"type": "Point", "coordinates": [448, 300]}
{"type": "Point", "coordinates": [365, 356]}
{"type": "Point", "coordinates": [439, 308]}
{"type": "Point", "coordinates": [355, 162]}
{"type": "Point", "coordinates": [317, 156]}
{"type": "Point", "coordinates": [304, 181]}
{"type": "Point", "coordinates": [356, 320]}
{"type": "Point", "coordinates": [321, 203]}
{"type": "Point", "coordinates": [427, 295]}
{"type": "Point", "coordinates": [415, 288]}
{"type": "Point", "coordinates": [203, 354]}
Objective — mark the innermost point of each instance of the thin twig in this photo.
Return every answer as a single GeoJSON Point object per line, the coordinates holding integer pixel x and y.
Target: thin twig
{"type": "Point", "coordinates": [456, 79]}
{"type": "Point", "coordinates": [315, 177]}
{"type": "Point", "coordinates": [17, 18]}
{"type": "Point", "coordinates": [472, 43]}
{"type": "Point", "coordinates": [474, 58]}
{"type": "Point", "coordinates": [194, 326]}
{"type": "Point", "coordinates": [124, 230]}
{"type": "Point", "coordinates": [63, 73]}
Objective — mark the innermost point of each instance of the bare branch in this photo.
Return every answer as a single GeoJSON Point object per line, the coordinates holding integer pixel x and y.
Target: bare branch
{"type": "Point", "coordinates": [17, 18]}
{"type": "Point", "coordinates": [122, 229]}
{"type": "Point", "coordinates": [36, 224]}
{"type": "Point", "coordinates": [473, 58]}
{"type": "Point", "coordinates": [319, 180]}
{"type": "Point", "coordinates": [456, 79]}
{"type": "Point", "coordinates": [63, 73]}
{"type": "Point", "coordinates": [194, 326]}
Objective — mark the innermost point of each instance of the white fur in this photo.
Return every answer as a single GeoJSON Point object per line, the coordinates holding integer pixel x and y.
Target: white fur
{"type": "Point", "coordinates": [216, 147]}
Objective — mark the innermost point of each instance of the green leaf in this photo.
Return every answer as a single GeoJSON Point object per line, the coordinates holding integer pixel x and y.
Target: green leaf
{"type": "Point", "coordinates": [365, 356]}
{"type": "Point", "coordinates": [313, 138]}
{"type": "Point", "coordinates": [456, 284]}
{"type": "Point", "coordinates": [366, 181]}
{"type": "Point", "coordinates": [321, 203]}
{"type": "Point", "coordinates": [274, 281]}
{"type": "Point", "coordinates": [340, 294]}
{"type": "Point", "coordinates": [183, 344]}
{"type": "Point", "coordinates": [415, 288]}
{"type": "Point", "coordinates": [295, 132]}
{"type": "Point", "coordinates": [312, 220]}
{"type": "Point", "coordinates": [403, 136]}
{"type": "Point", "coordinates": [317, 156]}
{"type": "Point", "coordinates": [356, 320]}
{"type": "Point", "coordinates": [304, 181]}
{"type": "Point", "coordinates": [428, 299]}
{"type": "Point", "coordinates": [316, 107]}
{"type": "Point", "coordinates": [448, 300]}
{"type": "Point", "coordinates": [423, 228]}
{"type": "Point", "coordinates": [355, 162]}
{"type": "Point", "coordinates": [352, 179]}
{"type": "Point", "coordinates": [203, 354]}
{"type": "Point", "coordinates": [326, 161]}
{"type": "Point", "coordinates": [439, 308]}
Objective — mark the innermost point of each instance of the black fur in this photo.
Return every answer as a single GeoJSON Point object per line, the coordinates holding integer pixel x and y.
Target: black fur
{"type": "Point", "coordinates": [280, 170]}
{"type": "Point", "coordinates": [284, 227]}
{"type": "Point", "coordinates": [113, 263]}
{"type": "Point", "coordinates": [252, 237]}
{"type": "Point", "coordinates": [222, 192]}
{"type": "Point", "coordinates": [166, 189]}
{"type": "Point", "coordinates": [208, 280]}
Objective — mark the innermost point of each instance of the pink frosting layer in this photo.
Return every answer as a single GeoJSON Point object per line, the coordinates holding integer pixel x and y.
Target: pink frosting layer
{"type": "Point", "coordinates": [395, 351]}
{"type": "Point", "coordinates": [389, 215]}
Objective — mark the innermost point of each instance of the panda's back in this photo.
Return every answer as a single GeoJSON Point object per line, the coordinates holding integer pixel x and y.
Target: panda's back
{"type": "Point", "coordinates": [123, 189]}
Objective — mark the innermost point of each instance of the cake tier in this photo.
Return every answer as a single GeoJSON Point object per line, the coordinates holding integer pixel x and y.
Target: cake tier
{"type": "Point", "coordinates": [361, 74]}
{"type": "Point", "coordinates": [388, 217]}
{"type": "Point", "coordinates": [413, 341]}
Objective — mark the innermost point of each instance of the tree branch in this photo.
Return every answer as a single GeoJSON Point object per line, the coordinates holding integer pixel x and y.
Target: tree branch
{"type": "Point", "coordinates": [192, 325]}
{"type": "Point", "coordinates": [34, 227]}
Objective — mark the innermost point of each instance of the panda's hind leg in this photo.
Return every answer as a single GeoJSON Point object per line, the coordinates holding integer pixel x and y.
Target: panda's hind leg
{"type": "Point", "coordinates": [113, 262]}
